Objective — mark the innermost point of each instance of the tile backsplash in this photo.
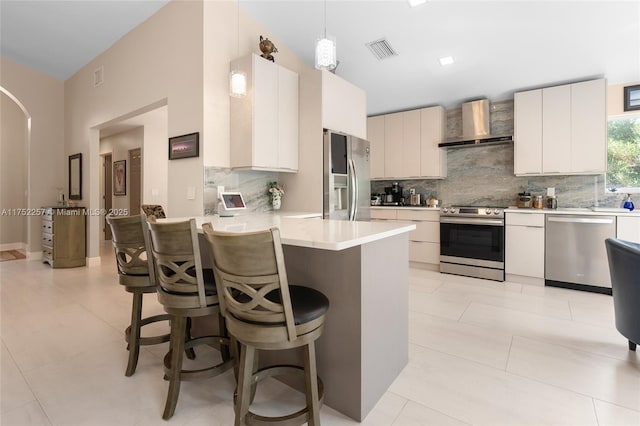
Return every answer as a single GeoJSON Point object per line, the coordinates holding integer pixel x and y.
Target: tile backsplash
{"type": "Point", "coordinates": [483, 176]}
{"type": "Point", "coordinates": [252, 184]}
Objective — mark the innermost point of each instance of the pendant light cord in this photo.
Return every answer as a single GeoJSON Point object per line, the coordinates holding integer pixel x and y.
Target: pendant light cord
{"type": "Point", "coordinates": [325, 18]}
{"type": "Point", "coordinates": [238, 52]}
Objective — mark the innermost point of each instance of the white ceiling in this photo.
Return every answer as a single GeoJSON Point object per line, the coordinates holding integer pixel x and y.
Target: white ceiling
{"type": "Point", "coordinates": [58, 37]}
{"type": "Point", "coordinates": [499, 46]}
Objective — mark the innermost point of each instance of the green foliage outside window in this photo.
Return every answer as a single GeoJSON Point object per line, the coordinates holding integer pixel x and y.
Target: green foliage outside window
{"type": "Point", "coordinates": [623, 171]}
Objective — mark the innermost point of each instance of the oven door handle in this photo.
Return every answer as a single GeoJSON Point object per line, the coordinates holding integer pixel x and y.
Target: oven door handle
{"type": "Point", "coordinates": [467, 221]}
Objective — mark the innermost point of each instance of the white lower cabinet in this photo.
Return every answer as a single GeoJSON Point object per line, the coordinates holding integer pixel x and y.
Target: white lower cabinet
{"type": "Point", "coordinates": [524, 245]}
{"type": "Point", "coordinates": [628, 228]}
{"type": "Point", "coordinates": [424, 241]}
{"type": "Point", "coordinates": [383, 213]}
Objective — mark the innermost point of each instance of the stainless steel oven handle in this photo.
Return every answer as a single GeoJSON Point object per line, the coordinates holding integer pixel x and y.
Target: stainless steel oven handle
{"type": "Point", "coordinates": [467, 221]}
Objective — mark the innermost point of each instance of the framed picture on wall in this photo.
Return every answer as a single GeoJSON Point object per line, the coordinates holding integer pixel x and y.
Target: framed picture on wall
{"type": "Point", "coordinates": [185, 146]}
{"type": "Point", "coordinates": [120, 177]}
{"type": "Point", "coordinates": [632, 98]}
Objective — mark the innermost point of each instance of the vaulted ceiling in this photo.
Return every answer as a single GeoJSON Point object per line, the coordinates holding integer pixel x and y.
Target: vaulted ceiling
{"type": "Point", "coordinates": [498, 46]}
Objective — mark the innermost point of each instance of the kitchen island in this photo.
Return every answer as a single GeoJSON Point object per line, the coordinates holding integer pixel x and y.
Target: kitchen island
{"type": "Point", "coordinates": [362, 267]}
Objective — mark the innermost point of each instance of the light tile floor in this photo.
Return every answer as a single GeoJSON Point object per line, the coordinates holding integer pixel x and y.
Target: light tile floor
{"type": "Point", "coordinates": [481, 353]}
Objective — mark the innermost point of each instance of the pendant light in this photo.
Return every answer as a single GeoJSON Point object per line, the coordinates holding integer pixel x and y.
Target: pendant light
{"type": "Point", "coordinates": [326, 48]}
{"type": "Point", "coordinates": [238, 78]}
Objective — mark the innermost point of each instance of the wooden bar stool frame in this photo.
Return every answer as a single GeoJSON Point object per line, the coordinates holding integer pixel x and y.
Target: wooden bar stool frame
{"type": "Point", "coordinates": [258, 323]}
{"type": "Point", "coordinates": [137, 278]}
{"type": "Point", "coordinates": [176, 259]}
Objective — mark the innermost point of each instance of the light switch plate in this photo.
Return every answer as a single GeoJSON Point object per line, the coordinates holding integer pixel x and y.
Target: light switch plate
{"type": "Point", "coordinates": [191, 193]}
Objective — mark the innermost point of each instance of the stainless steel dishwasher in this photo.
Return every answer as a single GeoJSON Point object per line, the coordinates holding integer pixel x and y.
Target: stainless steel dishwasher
{"type": "Point", "coordinates": [575, 254]}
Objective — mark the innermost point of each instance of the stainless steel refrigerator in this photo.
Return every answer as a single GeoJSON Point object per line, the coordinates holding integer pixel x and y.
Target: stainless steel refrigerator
{"type": "Point", "coordinates": [347, 190]}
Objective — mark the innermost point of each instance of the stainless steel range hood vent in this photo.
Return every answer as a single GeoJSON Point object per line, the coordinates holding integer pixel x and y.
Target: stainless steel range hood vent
{"type": "Point", "coordinates": [476, 127]}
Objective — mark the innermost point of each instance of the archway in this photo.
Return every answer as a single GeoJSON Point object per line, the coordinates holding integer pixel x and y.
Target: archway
{"type": "Point", "coordinates": [15, 142]}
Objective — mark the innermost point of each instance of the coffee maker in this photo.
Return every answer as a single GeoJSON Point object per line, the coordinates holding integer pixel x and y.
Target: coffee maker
{"type": "Point", "coordinates": [393, 195]}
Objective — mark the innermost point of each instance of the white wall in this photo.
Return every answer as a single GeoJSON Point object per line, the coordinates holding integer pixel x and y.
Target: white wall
{"type": "Point", "coordinates": [180, 57]}
{"type": "Point", "coordinates": [159, 60]}
{"type": "Point", "coordinates": [42, 97]}
{"type": "Point", "coordinates": [155, 153]}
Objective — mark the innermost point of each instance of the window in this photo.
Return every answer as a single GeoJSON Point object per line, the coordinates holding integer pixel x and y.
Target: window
{"type": "Point", "coordinates": [623, 155]}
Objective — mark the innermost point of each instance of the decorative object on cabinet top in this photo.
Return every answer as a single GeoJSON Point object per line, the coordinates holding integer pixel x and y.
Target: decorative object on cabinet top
{"type": "Point", "coordinates": [267, 48]}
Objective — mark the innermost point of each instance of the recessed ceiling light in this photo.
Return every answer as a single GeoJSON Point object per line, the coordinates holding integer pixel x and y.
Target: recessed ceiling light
{"type": "Point", "coordinates": [446, 60]}
{"type": "Point", "coordinates": [414, 3]}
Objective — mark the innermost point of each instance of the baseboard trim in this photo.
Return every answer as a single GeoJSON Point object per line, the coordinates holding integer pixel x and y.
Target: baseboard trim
{"type": "Point", "coordinates": [94, 261]}
{"type": "Point", "coordinates": [580, 287]}
{"type": "Point", "coordinates": [13, 246]}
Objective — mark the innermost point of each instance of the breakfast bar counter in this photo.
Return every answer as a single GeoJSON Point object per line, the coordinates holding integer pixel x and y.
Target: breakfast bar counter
{"type": "Point", "coordinates": [362, 267]}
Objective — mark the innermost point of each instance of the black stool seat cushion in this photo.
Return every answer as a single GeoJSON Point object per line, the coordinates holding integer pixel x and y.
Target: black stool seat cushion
{"type": "Point", "coordinates": [307, 303]}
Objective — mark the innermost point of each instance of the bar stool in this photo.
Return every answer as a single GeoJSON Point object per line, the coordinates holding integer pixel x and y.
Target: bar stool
{"type": "Point", "coordinates": [136, 277]}
{"type": "Point", "coordinates": [186, 291]}
{"type": "Point", "coordinates": [264, 312]}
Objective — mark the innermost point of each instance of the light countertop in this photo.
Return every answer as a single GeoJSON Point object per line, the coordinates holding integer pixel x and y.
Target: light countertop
{"type": "Point", "coordinates": [597, 211]}
{"type": "Point", "coordinates": [310, 232]}
{"type": "Point", "coordinates": [405, 208]}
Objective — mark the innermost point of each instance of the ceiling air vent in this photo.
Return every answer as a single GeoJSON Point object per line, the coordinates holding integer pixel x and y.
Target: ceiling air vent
{"type": "Point", "coordinates": [98, 76]}
{"type": "Point", "coordinates": [381, 49]}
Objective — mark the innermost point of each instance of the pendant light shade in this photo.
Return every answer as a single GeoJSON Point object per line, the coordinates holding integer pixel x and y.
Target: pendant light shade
{"type": "Point", "coordinates": [237, 84]}
{"type": "Point", "coordinates": [237, 78]}
{"type": "Point", "coordinates": [326, 58]}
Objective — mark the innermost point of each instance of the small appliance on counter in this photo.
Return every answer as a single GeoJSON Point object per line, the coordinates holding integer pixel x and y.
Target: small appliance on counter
{"type": "Point", "coordinates": [393, 195]}
{"type": "Point", "coordinates": [524, 200]}
{"type": "Point", "coordinates": [376, 200]}
{"type": "Point", "coordinates": [230, 204]}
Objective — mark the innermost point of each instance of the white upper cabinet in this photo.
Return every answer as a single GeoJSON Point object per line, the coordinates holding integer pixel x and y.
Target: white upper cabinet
{"type": "Point", "coordinates": [393, 142]}
{"type": "Point", "coordinates": [405, 144]}
{"type": "Point", "coordinates": [433, 160]}
{"type": "Point", "coordinates": [556, 129]}
{"type": "Point", "coordinates": [264, 123]}
{"type": "Point", "coordinates": [410, 151]}
{"type": "Point", "coordinates": [589, 127]}
{"type": "Point", "coordinates": [375, 136]}
{"type": "Point", "coordinates": [528, 132]}
{"type": "Point", "coordinates": [561, 130]}
{"type": "Point", "coordinates": [344, 106]}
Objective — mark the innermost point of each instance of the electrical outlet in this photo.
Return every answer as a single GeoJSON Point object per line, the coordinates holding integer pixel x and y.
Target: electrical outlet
{"type": "Point", "coordinates": [412, 191]}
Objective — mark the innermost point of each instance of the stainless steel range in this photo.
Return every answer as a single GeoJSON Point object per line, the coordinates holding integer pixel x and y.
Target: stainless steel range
{"type": "Point", "coordinates": [472, 242]}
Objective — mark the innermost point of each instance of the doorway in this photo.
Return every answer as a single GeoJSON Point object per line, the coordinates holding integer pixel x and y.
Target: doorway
{"type": "Point", "coordinates": [135, 170]}
{"type": "Point", "coordinates": [108, 179]}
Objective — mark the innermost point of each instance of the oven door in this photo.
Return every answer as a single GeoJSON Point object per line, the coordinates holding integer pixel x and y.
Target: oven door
{"type": "Point", "coordinates": [472, 238]}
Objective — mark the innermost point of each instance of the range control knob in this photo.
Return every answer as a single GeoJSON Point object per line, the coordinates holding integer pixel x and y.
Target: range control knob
{"type": "Point", "coordinates": [445, 210]}
{"type": "Point", "coordinates": [453, 210]}
{"type": "Point", "coordinates": [496, 211]}
{"type": "Point", "coordinates": [487, 211]}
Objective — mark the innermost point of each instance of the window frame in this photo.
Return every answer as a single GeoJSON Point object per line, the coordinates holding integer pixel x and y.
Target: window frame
{"type": "Point", "coordinates": [623, 189]}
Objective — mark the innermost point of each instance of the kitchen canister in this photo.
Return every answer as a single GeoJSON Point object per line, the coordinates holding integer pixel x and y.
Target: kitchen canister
{"type": "Point", "coordinates": [538, 202]}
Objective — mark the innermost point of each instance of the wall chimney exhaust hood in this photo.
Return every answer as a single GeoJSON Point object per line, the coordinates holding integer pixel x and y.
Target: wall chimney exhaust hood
{"type": "Point", "coordinates": [476, 127]}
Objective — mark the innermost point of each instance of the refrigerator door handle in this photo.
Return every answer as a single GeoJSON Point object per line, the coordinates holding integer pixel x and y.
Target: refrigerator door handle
{"type": "Point", "coordinates": [353, 205]}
